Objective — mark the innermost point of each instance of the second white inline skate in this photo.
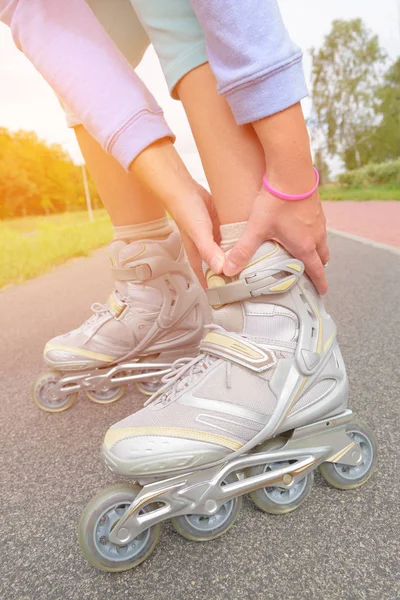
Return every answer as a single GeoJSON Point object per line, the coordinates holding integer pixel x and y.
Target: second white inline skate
{"type": "Point", "coordinates": [260, 408]}
{"type": "Point", "coordinates": [154, 316]}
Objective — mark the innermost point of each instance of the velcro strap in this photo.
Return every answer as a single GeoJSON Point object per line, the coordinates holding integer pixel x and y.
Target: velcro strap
{"type": "Point", "coordinates": [257, 284]}
{"type": "Point", "coordinates": [238, 350]}
{"type": "Point", "coordinates": [228, 293]}
{"type": "Point", "coordinates": [137, 273]}
{"type": "Point", "coordinates": [150, 268]}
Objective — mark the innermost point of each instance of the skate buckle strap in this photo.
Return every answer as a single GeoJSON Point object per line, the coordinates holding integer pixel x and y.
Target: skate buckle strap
{"type": "Point", "coordinates": [140, 272]}
{"type": "Point", "coordinates": [254, 284]}
{"type": "Point", "coordinates": [151, 268]}
{"type": "Point", "coordinates": [238, 350]}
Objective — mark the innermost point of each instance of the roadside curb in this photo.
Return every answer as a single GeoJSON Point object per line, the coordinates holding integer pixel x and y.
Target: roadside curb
{"type": "Point", "coordinates": [366, 241]}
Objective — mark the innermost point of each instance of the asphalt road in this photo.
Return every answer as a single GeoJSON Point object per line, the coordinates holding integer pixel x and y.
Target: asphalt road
{"type": "Point", "coordinates": [337, 546]}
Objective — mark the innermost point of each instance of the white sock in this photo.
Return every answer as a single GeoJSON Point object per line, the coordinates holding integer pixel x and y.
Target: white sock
{"type": "Point", "coordinates": [230, 234]}
{"type": "Point", "coordinates": [158, 229]}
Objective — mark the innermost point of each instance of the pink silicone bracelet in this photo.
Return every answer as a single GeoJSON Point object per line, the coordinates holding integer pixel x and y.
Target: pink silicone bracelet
{"type": "Point", "coordinates": [283, 196]}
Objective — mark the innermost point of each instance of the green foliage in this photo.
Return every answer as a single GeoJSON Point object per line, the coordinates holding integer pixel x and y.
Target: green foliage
{"type": "Point", "coordinates": [31, 245]}
{"type": "Point", "coordinates": [371, 182]}
{"type": "Point", "coordinates": [36, 178]}
{"type": "Point", "coordinates": [387, 173]}
{"type": "Point", "coordinates": [383, 141]}
{"type": "Point", "coordinates": [376, 192]}
{"type": "Point", "coordinates": [346, 71]}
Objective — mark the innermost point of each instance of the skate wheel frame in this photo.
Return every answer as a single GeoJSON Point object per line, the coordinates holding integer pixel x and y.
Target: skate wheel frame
{"type": "Point", "coordinates": [104, 511]}
{"type": "Point", "coordinates": [41, 390]}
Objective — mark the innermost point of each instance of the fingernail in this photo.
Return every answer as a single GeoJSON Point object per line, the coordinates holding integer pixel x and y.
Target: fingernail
{"type": "Point", "coordinates": [230, 268]}
{"type": "Point", "coordinates": [216, 264]}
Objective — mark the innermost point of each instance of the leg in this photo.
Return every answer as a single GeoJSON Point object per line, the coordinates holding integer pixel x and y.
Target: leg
{"type": "Point", "coordinates": [154, 285]}
{"type": "Point", "coordinates": [155, 313]}
{"type": "Point", "coordinates": [125, 199]}
{"type": "Point", "coordinates": [232, 156]}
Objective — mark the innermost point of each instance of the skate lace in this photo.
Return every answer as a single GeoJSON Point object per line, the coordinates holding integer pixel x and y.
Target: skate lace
{"type": "Point", "coordinates": [184, 372]}
{"type": "Point", "coordinates": [99, 311]}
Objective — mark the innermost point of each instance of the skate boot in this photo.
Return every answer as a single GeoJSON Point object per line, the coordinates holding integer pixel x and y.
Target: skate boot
{"type": "Point", "coordinates": [262, 405]}
{"type": "Point", "coordinates": [154, 316]}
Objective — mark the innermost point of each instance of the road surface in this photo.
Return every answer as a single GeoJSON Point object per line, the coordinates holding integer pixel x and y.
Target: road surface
{"type": "Point", "coordinates": [337, 546]}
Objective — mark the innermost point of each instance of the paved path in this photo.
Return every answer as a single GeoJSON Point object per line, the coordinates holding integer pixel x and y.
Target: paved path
{"type": "Point", "coordinates": [338, 546]}
{"type": "Point", "coordinates": [379, 221]}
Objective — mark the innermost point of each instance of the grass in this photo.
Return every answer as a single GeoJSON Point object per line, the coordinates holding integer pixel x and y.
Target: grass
{"type": "Point", "coordinates": [379, 192]}
{"type": "Point", "coordinates": [32, 245]}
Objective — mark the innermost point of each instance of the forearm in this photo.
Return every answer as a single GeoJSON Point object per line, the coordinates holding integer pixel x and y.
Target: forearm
{"type": "Point", "coordinates": [286, 144]}
{"type": "Point", "coordinates": [257, 66]}
{"type": "Point", "coordinates": [162, 170]}
{"type": "Point", "coordinates": [69, 47]}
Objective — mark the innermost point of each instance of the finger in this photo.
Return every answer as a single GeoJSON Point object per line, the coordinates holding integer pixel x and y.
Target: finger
{"type": "Point", "coordinates": [212, 211]}
{"type": "Point", "coordinates": [315, 270]}
{"type": "Point", "coordinates": [323, 251]}
{"type": "Point", "coordinates": [194, 258]}
{"type": "Point", "coordinates": [196, 223]}
{"type": "Point", "coordinates": [200, 232]}
{"type": "Point", "coordinates": [209, 251]}
{"type": "Point", "coordinates": [244, 249]}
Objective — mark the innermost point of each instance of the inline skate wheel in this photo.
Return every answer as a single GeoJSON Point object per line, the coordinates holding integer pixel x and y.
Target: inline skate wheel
{"type": "Point", "coordinates": [273, 499]}
{"type": "Point", "coordinates": [148, 387]}
{"type": "Point", "coordinates": [204, 528]}
{"type": "Point", "coordinates": [106, 396]}
{"type": "Point", "coordinates": [346, 477]}
{"type": "Point", "coordinates": [99, 517]}
{"type": "Point", "coordinates": [42, 393]}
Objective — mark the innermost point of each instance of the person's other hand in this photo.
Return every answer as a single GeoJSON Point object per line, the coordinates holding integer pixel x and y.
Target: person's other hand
{"type": "Point", "coordinates": [161, 169]}
{"type": "Point", "coordinates": [298, 226]}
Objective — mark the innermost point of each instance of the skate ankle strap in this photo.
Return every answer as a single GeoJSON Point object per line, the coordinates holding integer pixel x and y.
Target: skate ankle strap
{"type": "Point", "coordinates": [258, 283]}
{"type": "Point", "coordinates": [151, 268]}
{"type": "Point", "coordinates": [138, 273]}
{"type": "Point", "coordinates": [238, 350]}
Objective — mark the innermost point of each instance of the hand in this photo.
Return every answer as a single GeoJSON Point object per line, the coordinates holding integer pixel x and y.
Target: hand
{"type": "Point", "coordinates": [161, 169]}
{"type": "Point", "coordinates": [298, 226]}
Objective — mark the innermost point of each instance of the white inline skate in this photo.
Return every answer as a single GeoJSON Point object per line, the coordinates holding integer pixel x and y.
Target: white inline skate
{"type": "Point", "coordinates": [154, 316]}
{"type": "Point", "coordinates": [262, 405]}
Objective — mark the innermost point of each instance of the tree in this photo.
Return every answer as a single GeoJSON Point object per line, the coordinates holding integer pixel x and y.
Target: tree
{"type": "Point", "coordinates": [386, 144]}
{"type": "Point", "coordinates": [36, 178]}
{"type": "Point", "coordinates": [383, 140]}
{"type": "Point", "coordinates": [345, 72]}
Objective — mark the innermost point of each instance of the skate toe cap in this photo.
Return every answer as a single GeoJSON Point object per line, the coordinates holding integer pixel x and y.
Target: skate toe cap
{"type": "Point", "coordinates": [59, 354]}
{"type": "Point", "coordinates": [144, 451]}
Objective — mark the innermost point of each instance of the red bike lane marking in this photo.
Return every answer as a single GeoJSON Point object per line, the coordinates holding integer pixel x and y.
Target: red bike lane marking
{"type": "Point", "coordinates": [378, 221]}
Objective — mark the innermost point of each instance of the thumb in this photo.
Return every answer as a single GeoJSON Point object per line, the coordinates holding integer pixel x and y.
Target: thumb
{"type": "Point", "coordinates": [209, 250]}
{"type": "Point", "coordinates": [244, 249]}
{"type": "Point", "coordinates": [199, 228]}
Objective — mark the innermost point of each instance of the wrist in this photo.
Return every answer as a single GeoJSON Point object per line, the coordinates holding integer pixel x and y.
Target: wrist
{"type": "Point", "coordinates": [291, 175]}
{"type": "Point", "coordinates": [278, 193]}
{"type": "Point", "coordinates": [286, 145]}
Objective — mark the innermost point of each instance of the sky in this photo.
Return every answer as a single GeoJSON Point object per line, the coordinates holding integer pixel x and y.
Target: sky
{"type": "Point", "coordinates": [27, 102]}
